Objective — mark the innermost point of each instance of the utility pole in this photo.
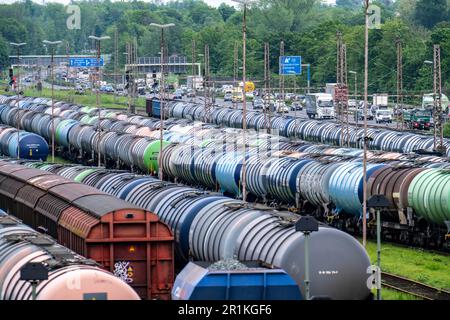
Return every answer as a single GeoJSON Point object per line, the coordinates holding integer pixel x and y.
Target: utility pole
{"type": "Point", "coordinates": [53, 43]}
{"type": "Point", "coordinates": [365, 137]}
{"type": "Point", "coordinates": [281, 75]}
{"type": "Point", "coordinates": [267, 86]}
{"type": "Point", "coordinates": [18, 45]}
{"type": "Point", "coordinates": [68, 57]}
{"type": "Point", "coordinates": [161, 94]}
{"type": "Point", "coordinates": [193, 60]}
{"type": "Point", "coordinates": [206, 89]}
{"type": "Point", "coordinates": [400, 81]}
{"type": "Point", "coordinates": [356, 95]}
{"type": "Point", "coordinates": [438, 127]}
{"type": "Point", "coordinates": [235, 68]}
{"type": "Point", "coordinates": [244, 100]}
{"type": "Point", "coordinates": [116, 59]}
{"type": "Point", "coordinates": [341, 93]}
{"type": "Point", "coordinates": [97, 41]}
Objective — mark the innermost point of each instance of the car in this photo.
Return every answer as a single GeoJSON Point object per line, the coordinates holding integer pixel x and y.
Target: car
{"type": "Point", "coordinates": [227, 97]}
{"type": "Point", "coordinates": [280, 107]}
{"type": "Point", "coordinates": [190, 94]}
{"type": "Point", "coordinates": [79, 90]}
{"type": "Point", "coordinates": [296, 106]}
{"type": "Point", "coordinates": [258, 104]}
{"type": "Point", "coordinates": [178, 94]}
{"type": "Point", "coordinates": [141, 91]}
{"type": "Point", "coordinates": [107, 89]}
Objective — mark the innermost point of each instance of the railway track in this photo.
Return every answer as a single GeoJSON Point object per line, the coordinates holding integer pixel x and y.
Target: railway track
{"type": "Point", "coordinates": [414, 288]}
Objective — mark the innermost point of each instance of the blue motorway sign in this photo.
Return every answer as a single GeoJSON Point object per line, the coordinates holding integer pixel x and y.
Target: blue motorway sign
{"type": "Point", "coordinates": [84, 62]}
{"type": "Point", "coordinates": [290, 65]}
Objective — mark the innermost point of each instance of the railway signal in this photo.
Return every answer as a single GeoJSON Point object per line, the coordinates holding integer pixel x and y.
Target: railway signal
{"type": "Point", "coordinates": [378, 203]}
{"type": "Point", "coordinates": [307, 225]}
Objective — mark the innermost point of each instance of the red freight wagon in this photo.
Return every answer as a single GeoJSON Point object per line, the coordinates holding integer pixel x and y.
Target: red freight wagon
{"type": "Point", "coordinates": [128, 241]}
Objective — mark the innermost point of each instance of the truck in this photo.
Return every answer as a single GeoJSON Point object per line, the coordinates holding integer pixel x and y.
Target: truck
{"type": "Point", "coordinates": [380, 100]}
{"type": "Point", "coordinates": [428, 102]}
{"type": "Point", "coordinates": [320, 106]}
{"type": "Point", "coordinates": [195, 82]}
{"type": "Point", "coordinates": [420, 119]}
{"type": "Point", "coordinates": [331, 89]}
{"type": "Point", "coordinates": [237, 94]}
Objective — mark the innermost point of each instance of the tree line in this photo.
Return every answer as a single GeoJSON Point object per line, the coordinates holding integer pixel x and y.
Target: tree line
{"type": "Point", "coordinates": [307, 28]}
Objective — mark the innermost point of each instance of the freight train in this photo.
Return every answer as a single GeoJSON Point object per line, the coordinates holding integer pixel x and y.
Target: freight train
{"type": "Point", "coordinates": [283, 176]}
{"type": "Point", "coordinates": [126, 240]}
{"type": "Point", "coordinates": [70, 276]}
{"type": "Point", "coordinates": [211, 227]}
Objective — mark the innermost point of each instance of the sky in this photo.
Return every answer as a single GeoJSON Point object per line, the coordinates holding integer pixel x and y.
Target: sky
{"type": "Point", "coordinates": [214, 3]}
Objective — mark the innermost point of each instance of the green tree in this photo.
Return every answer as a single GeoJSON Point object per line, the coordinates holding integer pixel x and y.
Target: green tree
{"type": "Point", "coordinates": [4, 61]}
{"type": "Point", "coordinates": [428, 13]}
{"type": "Point", "coordinates": [226, 11]}
{"type": "Point", "coordinates": [349, 4]}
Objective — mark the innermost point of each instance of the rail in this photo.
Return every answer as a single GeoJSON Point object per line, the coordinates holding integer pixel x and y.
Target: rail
{"type": "Point", "coordinates": [414, 288]}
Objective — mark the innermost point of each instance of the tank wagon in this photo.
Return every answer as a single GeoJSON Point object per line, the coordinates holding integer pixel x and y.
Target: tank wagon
{"type": "Point", "coordinates": [308, 130]}
{"type": "Point", "coordinates": [211, 227]}
{"type": "Point", "coordinates": [126, 240]}
{"type": "Point", "coordinates": [31, 146]}
{"type": "Point", "coordinates": [278, 172]}
{"type": "Point", "coordinates": [70, 276]}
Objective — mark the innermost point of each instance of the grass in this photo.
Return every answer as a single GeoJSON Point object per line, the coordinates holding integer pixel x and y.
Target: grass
{"type": "Point", "coordinates": [447, 130]}
{"type": "Point", "coordinates": [59, 160]}
{"type": "Point", "coordinates": [87, 99]}
{"type": "Point", "coordinates": [388, 294]}
{"type": "Point", "coordinates": [412, 263]}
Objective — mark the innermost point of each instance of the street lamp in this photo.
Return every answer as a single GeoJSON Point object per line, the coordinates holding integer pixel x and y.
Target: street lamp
{"type": "Point", "coordinates": [308, 75]}
{"type": "Point", "coordinates": [18, 45]}
{"type": "Point", "coordinates": [53, 44]}
{"type": "Point", "coordinates": [161, 94]}
{"type": "Point", "coordinates": [245, 3]}
{"type": "Point", "coordinates": [98, 40]}
{"type": "Point", "coordinates": [356, 95]}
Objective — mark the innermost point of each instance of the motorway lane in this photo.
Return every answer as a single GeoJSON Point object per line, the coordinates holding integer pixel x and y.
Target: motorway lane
{"type": "Point", "coordinates": [296, 114]}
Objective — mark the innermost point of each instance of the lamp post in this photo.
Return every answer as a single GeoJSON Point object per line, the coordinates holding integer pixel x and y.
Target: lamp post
{"type": "Point", "coordinates": [308, 75]}
{"type": "Point", "coordinates": [53, 44]}
{"type": "Point", "coordinates": [161, 95]}
{"type": "Point", "coordinates": [18, 45]}
{"type": "Point", "coordinates": [430, 63]}
{"type": "Point", "coordinates": [356, 95]}
{"type": "Point", "coordinates": [98, 40]}
{"type": "Point", "coordinates": [245, 3]}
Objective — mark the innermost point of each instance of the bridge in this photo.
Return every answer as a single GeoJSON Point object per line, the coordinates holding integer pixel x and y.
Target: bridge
{"type": "Point", "coordinates": [32, 61]}
{"type": "Point", "coordinates": [176, 64]}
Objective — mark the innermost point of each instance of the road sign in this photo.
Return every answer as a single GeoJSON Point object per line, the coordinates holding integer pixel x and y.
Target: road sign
{"type": "Point", "coordinates": [84, 62]}
{"type": "Point", "coordinates": [290, 65]}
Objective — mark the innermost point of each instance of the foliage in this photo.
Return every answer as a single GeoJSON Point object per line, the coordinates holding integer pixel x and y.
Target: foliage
{"type": "Point", "coordinates": [307, 27]}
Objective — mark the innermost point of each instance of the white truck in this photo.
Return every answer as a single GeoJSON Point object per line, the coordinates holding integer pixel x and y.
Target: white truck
{"type": "Point", "coordinates": [320, 106]}
{"type": "Point", "coordinates": [380, 100]}
{"type": "Point", "coordinates": [331, 89]}
{"type": "Point", "coordinates": [195, 82]}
